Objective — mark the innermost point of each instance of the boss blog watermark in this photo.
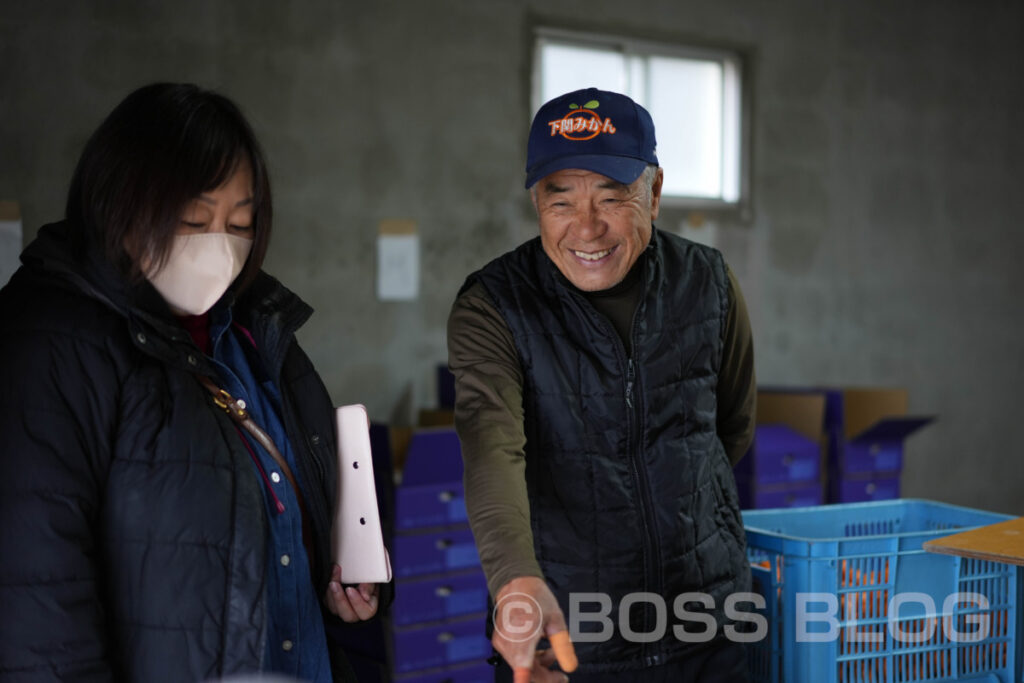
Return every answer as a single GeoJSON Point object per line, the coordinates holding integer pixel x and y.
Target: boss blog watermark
{"type": "Point", "coordinates": [518, 618]}
{"type": "Point", "coordinates": [602, 617]}
{"type": "Point", "coordinates": [594, 618]}
{"type": "Point", "coordinates": [973, 611]}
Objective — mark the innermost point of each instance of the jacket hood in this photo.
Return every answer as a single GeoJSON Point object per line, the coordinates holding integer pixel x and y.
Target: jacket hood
{"type": "Point", "coordinates": [266, 306]}
{"type": "Point", "coordinates": [55, 254]}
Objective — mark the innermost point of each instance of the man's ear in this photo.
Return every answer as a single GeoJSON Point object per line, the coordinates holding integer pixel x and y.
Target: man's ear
{"type": "Point", "coordinates": [659, 178]}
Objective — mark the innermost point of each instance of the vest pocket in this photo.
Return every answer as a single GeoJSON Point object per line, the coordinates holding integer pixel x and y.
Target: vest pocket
{"type": "Point", "coordinates": [728, 510]}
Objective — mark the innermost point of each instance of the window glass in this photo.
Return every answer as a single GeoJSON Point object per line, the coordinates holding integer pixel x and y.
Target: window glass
{"type": "Point", "coordinates": [693, 95]}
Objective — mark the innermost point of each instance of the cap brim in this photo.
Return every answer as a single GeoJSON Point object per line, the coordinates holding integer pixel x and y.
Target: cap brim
{"type": "Point", "coordinates": [621, 169]}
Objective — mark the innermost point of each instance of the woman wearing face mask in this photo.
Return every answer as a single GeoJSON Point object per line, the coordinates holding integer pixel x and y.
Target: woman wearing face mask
{"type": "Point", "coordinates": [148, 531]}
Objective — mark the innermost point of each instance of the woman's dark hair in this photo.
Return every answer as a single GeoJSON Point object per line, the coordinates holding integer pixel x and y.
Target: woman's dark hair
{"type": "Point", "coordinates": [161, 147]}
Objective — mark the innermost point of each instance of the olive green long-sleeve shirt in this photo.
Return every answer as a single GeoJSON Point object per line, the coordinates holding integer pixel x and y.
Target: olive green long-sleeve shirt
{"type": "Point", "coordinates": [489, 414]}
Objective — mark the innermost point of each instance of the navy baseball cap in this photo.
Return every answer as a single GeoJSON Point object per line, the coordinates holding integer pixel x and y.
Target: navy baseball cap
{"type": "Point", "coordinates": [594, 130]}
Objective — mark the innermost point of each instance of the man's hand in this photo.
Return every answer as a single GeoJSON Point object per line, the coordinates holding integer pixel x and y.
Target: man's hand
{"type": "Point", "coordinates": [351, 604]}
{"type": "Point", "coordinates": [526, 611]}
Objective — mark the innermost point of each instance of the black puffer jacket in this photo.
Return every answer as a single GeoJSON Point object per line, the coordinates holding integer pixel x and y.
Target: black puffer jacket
{"type": "Point", "coordinates": [132, 525]}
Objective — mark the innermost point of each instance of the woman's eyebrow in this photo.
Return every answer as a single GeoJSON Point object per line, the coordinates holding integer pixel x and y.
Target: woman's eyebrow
{"type": "Point", "coordinates": [213, 202]}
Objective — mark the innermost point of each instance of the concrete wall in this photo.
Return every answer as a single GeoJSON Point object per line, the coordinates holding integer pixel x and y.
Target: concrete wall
{"type": "Point", "coordinates": [881, 247]}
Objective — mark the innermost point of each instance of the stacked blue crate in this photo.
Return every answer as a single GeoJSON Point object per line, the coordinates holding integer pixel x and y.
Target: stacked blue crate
{"type": "Point", "coordinates": [866, 429]}
{"type": "Point", "coordinates": [783, 467]}
{"type": "Point", "coordinates": [440, 603]}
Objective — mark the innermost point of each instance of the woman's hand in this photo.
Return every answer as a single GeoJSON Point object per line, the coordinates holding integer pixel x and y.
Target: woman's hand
{"type": "Point", "coordinates": [351, 604]}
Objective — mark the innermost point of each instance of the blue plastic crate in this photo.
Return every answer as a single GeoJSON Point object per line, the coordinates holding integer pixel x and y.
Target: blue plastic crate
{"type": "Point", "coordinates": [854, 564]}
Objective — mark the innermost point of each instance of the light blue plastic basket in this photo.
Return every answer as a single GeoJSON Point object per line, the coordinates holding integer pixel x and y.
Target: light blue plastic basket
{"type": "Point", "coordinates": [854, 559]}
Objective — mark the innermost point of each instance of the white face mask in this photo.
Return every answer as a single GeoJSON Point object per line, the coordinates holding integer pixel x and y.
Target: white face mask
{"type": "Point", "coordinates": [199, 269]}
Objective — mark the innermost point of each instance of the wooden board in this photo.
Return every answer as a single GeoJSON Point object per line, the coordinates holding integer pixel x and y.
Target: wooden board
{"type": "Point", "coordinates": [1002, 542]}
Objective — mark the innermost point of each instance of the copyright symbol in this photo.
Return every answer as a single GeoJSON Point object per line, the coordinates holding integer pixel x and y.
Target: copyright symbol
{"type": "Point", "coordinates": [517, 617]}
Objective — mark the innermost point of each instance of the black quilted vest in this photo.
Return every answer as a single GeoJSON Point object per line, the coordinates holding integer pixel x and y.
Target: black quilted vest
{"type": "Point", "coordinates": [630, 488]}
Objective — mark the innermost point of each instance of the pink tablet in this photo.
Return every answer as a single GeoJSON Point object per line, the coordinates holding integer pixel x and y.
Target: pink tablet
{"type": "Point", "coordinates": [358, 545]}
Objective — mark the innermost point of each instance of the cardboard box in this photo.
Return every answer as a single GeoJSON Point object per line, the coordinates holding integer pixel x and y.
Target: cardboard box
{"type": "Point", "coordinates": [866, 429]}
{"type": "Point", "coordinates": [864, 434]}
{"type": "Point", "coordinates": [436, 417]}
{"type": "Point", "coordinates": [783, 467]}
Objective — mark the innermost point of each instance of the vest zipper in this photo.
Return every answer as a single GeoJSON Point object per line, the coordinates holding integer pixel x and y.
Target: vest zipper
{"type": "Point", "coordinates": [634, 429]}
{"type": "Point", "coordinates": [630, 374]}
{"type": "Point", "coordinates": [652, 551]}
{"type": "Point", "coordinates": [652, 576]}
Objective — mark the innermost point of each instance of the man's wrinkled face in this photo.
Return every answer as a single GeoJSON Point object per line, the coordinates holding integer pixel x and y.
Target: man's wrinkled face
{"type": "Point", "coordinates": [595, 228]}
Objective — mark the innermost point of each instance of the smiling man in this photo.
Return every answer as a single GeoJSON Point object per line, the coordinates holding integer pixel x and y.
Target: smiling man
{"type": "Point", "coordinates": [604, 387]}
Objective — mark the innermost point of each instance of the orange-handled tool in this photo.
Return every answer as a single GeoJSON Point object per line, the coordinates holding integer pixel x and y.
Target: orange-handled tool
{"type": "Point", "coordinates": [564, 653]}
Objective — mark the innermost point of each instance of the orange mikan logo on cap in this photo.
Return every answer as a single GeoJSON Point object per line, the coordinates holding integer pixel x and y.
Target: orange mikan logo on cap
{"type": "Point", "coordinates": [582, 123]}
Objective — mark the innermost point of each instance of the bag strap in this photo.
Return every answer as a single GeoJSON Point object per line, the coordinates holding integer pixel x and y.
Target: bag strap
{"type": "Point", "coordinates": [235, 408]}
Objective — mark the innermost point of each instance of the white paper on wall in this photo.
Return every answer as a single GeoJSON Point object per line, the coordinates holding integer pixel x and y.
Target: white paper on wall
{"type": "Point", "coordinates": [398, 261]}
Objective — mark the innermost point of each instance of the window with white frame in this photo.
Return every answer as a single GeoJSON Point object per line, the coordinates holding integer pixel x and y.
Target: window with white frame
{"type": "Point", "coordinates": [693, 94]}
